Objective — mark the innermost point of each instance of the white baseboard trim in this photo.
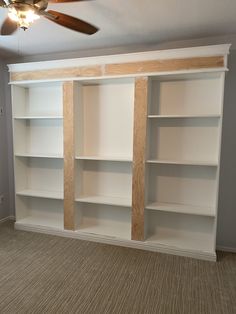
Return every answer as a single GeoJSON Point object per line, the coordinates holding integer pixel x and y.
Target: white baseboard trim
{"type": "Point", "coordinates": [148, 246]}
{"type": "Point", "coordinates": [226, 249]}
{"type": "Point", "coordinates": [12, 218]}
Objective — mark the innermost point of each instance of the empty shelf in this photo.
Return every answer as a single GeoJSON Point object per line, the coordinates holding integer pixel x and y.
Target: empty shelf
{"type": "Point", "coordinates": [113, 229]}
{"type": "Point", "coordinates": [106, 200]}
{"type": "Point", "coordinates": [182, 208]}
{"type": "Point", "coordinates": [55, 222]}
{"type": "Point", "coordinates": [37, 117]}
{"type": "Point", "coordinates": [43, 194]}
{"type": "Point", "coordinates": [105, 158]}
{"type": "Point", "coordinates": [183, 240]}
{"type": "Point", "coordinates": [37, 155]}
{"type": "Point", "coordinates": [183, 116]}
{"type": "Point", "coordinates": [183, 162]}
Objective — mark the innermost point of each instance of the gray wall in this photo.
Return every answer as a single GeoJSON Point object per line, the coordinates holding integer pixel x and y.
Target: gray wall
{"type": "Point", "coordinates": [4, 178]}
{"type": "Point", "coordinates": [226, 234]}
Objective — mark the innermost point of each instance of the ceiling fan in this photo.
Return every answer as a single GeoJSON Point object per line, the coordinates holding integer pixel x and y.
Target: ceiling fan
{"type": "Point", "coordinates": [22, 13]}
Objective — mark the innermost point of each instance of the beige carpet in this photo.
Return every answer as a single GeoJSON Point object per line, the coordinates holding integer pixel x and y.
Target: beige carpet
{"type": "Point", "coordinates": [48, 274]}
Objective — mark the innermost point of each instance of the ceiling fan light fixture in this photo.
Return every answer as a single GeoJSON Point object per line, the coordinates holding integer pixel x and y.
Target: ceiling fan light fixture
{"type": "Point", "coordinates": [24, 18]}
{"type": "Point", "coordinates": [22, 13]}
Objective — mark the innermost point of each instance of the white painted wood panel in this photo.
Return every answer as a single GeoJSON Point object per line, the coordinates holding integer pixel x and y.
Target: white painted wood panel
{"type": "Point", "coordinates": [186, 96]}
{"type": "Point", "coordinates": [39, 136]}
{"type": "Point", "coordinates": [110, 221]}
{"type": "Point", "coordinates": [37, 117]}
{"type": "Point", "coordinates": [184, 139]}
{"type": "Point", "coordinates": [183, 162]}
{"type": "Point", "coordinates": [40, 212]}
{"type": "Point", "coordinates": [104, 179]}
{"type": "Point", "coordinates": [41, 193]}
{"type": "Point", "coordinates": [107, 121]}
{"type": "Point", "coordinates": [187, 185]}
{"type": "Point", "coordinates": [43, 176]}
{"type": "Point", "coordinates": [181, 231]}
{"type": "Point", "coordinates": [105, 158]}
{"type": "Point", "coordinates": [106, 200]}
{"type": "Point", "coordinates": [44, 100]}
{"type": "Point", "coordinates": [182, 208]}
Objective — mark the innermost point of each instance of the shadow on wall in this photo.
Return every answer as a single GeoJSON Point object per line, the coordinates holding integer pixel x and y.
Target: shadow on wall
{"type": "Point", "coordinates": [226, 233]}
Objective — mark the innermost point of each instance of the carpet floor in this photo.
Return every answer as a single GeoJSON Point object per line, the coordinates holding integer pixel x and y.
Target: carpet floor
{"type": "Point", "coordinates": [48, 274]}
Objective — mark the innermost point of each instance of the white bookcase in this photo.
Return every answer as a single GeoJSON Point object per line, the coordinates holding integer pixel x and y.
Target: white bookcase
{"type": "Point", "coordinates": [38, 147]}
{"type": "Point", "coordinates": [127, 152]}
{"type": "Point", "coordinates": [104, 148]}
{"type": "Point", "coordinates": [184, 128]}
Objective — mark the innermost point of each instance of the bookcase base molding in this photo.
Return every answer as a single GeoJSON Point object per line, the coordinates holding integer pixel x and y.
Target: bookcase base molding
{"type": "Point", "coordinates": [122, 149]}
{"type": "Point", "coordinates": [146, 245]}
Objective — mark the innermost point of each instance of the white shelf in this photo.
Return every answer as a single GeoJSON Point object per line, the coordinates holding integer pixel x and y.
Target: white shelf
{"type": "Point", "coordinates": [106, 200]}
{"type": "Point", "coordinates": [37, 117]}
{"type": "Point", "coordinates": [183, 240]}
{"type": "Point", "coordinates": [112, 229]}
{"type": "Point", "coordinates": [183, 162]}
{"type": "Point", "coordinates": [37, 155]}
{"type": "Point", "coordinates": [182, 208]}
{"type": "Point", "coordinates": [105, 158]}
{"type": "Point", "coordinates": [54, 223]}
{"type": "Point", "coordinates": [41, 194]}
{"type": "Point", "coordinates": [184, 116]}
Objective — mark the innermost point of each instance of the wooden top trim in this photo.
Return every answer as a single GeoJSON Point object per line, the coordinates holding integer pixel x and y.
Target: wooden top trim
{"type": "Point", "coordinates": [164, 54]}
{"type": "Point", "coordinates": [164, 65]}
{"type": "Point", "coordinates": [88, 71]}
{"type": "Point", "coordinates": [132, 68]}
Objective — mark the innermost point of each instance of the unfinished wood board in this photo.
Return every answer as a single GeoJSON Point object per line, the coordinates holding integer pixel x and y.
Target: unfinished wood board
{"type": "Point", "coordinates": [139, 152]}
{"type": "Point", "coordinates": [88, 71]}
{"type": "Point", "coordinates": [140, 67]}
{"type": "Point", "coordinates": [164, 65]}
{"type": "Point", "coordinates": [69, 92]}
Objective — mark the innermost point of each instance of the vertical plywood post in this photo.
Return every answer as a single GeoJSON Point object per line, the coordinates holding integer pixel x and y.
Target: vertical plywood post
{"type": "Point", "coordinates": [139, 154]}
{"type": "Point", "coordinates": [69, 158]}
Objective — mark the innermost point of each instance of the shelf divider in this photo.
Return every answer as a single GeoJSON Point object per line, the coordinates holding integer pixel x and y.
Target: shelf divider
{"type": "Point", "coordinates": [40, 193]}
{"type": "Point", "coordinates": [183, 162]}
{"type": "Point", "coordinates": [38, 117]}
{"type": "Point", "coordinates": [69, 100]}
{"type": "Point", "coordinates": [106, 200]}
{"type": "Point", "coordinates": [105, 158]}
{"type": "Point", "coordinates": [198, 116]}
{"type": "Point", "coordinates": [182, 209]}
{"type": "Point", "coordinates": [139, 153]}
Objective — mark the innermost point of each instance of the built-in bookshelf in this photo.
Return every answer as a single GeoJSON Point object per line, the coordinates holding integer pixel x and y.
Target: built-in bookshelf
{"type": "Point", "coordinates": [38, 149]}
{"type": "Point", "coordinates": [121, 149]}
{"type": "Point", "coordinates": [104, 147]}
{"type": "Point", "coordinates": [183, 153]}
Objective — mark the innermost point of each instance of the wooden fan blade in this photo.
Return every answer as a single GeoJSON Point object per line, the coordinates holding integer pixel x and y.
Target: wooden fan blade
{"type": "Point", "coordinates": [70, 22]}
{"type": "Point", "coordinates": [8, 27]}
{"type": "Point", "coordinates": [2, 3]}
{"type": "Point", "coordinates": [62, 1]}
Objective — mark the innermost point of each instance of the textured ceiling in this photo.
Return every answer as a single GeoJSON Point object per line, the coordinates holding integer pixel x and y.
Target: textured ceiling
{"type": "Point", "coordinates": [122, 23]}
